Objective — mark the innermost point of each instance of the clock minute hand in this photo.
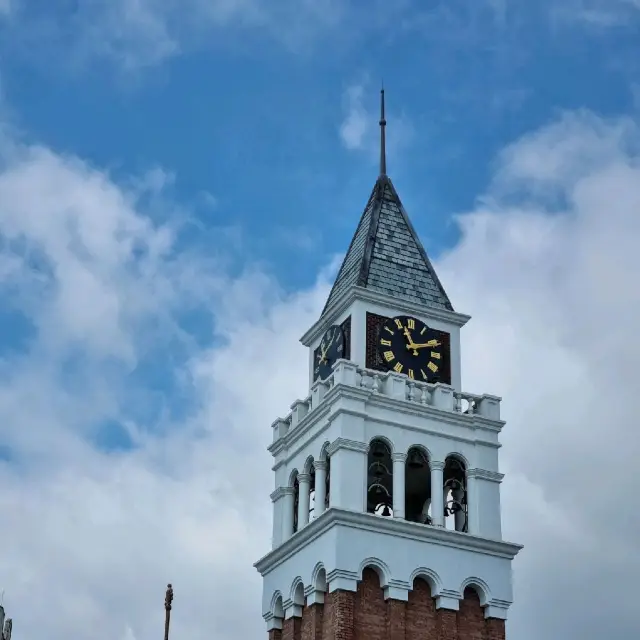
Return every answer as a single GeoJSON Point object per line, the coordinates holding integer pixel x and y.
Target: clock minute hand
{"type": "Point", "coordinates": [431, 343]}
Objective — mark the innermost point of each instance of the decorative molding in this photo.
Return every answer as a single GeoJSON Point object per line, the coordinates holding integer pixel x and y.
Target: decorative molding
{"type": "Point", "coordinates": [272, 621]}
{"type": "Point", "coordinates": [397, 590]}
{"type": "Point", "coordinates": [320, 465]}
{"type": "Point", "coordinates": [304, 478]}
{"type": "Point", "coordinates": [436, 464]}
{"type": "Point", "coordinates": [396, 527]}
{"type": "Point", "coordinates": [448, 599]}
{"type": "Point", "coordinates": [497, 609]}
{"type": "Point", "coordinates": [352, 294]}
{"type": "Point", "coordinates": [281, 492]}
{"type": "Point", "coordinates": [343, 580]}
{"type": "Point", "coordinates": [350, 445]}
{"type": "Point", "coordinates": [484, 474]}
{"type": "Point", "coordinates": [399, 456]}
{"type": "Point", "coordinates": [313, 595]}
{"type": "Point", "coordinates": [291, 609]}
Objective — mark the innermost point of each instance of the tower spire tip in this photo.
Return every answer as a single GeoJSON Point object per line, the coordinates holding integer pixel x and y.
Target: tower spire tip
{"type": "Point", "coordinates": [383, 124]}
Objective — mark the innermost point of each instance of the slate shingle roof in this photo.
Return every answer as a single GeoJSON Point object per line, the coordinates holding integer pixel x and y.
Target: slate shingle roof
{"type": "Point", "coordinates": [386, 255]}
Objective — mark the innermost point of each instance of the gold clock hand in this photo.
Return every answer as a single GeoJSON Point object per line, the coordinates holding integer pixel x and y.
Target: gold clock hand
{"type": "Point", "coordinates": [431, 343]}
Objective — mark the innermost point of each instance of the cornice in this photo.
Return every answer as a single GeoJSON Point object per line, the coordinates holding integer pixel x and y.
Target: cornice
{"type": "Point", "coordinates": [349, 445]}
{"type": "Point", "coordinates": [334, 516]}
{"type": "Point", "coordinates": [484, 474]}
{"type": "Point", "coordinates": [280, 492]}
{"type": "Point", "coordinates": [375, 297]}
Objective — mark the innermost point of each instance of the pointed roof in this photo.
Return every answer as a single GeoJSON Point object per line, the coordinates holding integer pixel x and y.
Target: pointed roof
{"type": "Point", "coordinates": [386, 255]}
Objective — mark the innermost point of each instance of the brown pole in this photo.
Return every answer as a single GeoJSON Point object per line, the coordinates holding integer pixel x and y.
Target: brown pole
{"type": "Point", "coordinates": [168, 599]}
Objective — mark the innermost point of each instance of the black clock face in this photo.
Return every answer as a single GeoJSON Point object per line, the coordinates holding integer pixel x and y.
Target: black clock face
{"type": "Point", "coordinates": [331, 349]}
{"type": "Point", "coordinates": [407, 345]}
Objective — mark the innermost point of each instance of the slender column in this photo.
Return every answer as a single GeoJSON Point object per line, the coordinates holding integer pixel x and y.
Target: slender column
{"type": "Point", "coordinates": [287, 516]}
{"type": "Point", "coordinates": [437, 493]}
{"type": "Point", "coordinates": [472, 502]}
{"type": "Point", "coordinates": [398, 484]}
{"type": "Point", "coordinates": [321, 486]}
{"type": "Point", "coordinates": [304, 482]}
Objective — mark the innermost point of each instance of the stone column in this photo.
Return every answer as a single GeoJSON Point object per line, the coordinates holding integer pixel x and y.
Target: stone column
{"type": "Point", "coordinates": [437, 493]}
{"type": "Point", "coordinates": [304, 483]}
{"type": "Point", "coordinates": [321, 485]}
{"type": "Point", "coordinates": [398, 484]}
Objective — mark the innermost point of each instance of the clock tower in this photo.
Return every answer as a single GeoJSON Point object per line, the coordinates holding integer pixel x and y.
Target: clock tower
{"type": "Point", "coordinates": [386, 505]}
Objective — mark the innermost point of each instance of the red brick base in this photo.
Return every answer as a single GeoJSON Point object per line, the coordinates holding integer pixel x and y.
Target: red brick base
{"type": "Point", "coordinates": [366, 615]}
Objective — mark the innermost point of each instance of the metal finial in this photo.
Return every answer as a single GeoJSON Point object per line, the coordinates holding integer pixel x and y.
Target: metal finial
{"type": "Point", "coordinates": [168, 599]}
{"type": "Point", "coordinates": [383, 124]}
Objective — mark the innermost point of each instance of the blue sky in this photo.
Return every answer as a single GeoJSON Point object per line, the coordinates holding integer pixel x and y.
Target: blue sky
{"type": "Point", "coordinates": [250, 121]}
{"type": "Point", "coordinates": [178, 182]}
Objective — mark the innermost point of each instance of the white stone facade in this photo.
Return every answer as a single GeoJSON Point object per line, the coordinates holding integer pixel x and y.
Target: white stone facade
{"type": "Point", "coordinates": [331, 431]}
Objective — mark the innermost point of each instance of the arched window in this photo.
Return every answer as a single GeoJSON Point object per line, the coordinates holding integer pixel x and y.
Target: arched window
{"type": "Point", "coordinates": [312, 492]}
{"type": "Point", "coordinates": [380, 479]}
{"type": "Point", "coordinates": [417, 507]}
{"type": "Point", "coordinates": [327, 483]}
{"type": "Point", "coordinates": [296, 502]}
{"type": "Point", "coordinates": [455, 494]}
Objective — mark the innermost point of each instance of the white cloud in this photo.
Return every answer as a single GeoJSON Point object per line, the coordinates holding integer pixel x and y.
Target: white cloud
{"type": "Point", "coordinates": [357, 120]}
{"type": "Point", "coordinates": [92, 538]}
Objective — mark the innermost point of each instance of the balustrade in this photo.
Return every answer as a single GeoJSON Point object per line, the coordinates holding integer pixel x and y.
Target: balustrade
{"type": "Point", "coordinates": [438, 395]}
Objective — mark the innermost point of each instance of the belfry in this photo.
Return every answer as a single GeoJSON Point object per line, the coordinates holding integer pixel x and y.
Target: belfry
{"type": "Point", "coordinates": [386, 505]}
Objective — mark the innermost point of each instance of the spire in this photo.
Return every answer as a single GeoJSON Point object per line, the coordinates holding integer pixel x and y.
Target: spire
{"type": "Point", "coordinates": [383, 124]}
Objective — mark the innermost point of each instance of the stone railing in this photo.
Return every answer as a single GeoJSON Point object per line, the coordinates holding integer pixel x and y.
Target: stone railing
{"type": "Point", "coordinates": [393, 385]}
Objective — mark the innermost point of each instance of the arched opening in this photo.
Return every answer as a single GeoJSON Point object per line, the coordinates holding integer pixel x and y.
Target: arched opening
{"type": "Point", "coordinates": [327, 483]}
{"type": "Point", "coordinates": [296, 502]}
{"type": "Point", "coordinates": [455, 494]}
{"type": "Point", "coordinates": [417, 500]}
{"type": "Point", "coordinates": [312, 492]}
{"type": "Point", "coordinates": [380, 479]}
{"type": "Point", "coordinates": [421, 617]}
{"type": "Point", "coordinates": [471, 614]}
{"type": "Point", "coordinates": [276, 608]}
{"type": "Point", "coordinates": [370, 610]}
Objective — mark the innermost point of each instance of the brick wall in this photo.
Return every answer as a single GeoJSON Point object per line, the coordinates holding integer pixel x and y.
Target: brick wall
{"type": "Point", "coordinates": [366, 615]}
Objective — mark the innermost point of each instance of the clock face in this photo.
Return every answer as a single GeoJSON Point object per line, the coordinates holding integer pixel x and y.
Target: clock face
{"type": "Point", "coordinates": [331, 349]}
{"type": "Point", "coordinates": [407, 345]}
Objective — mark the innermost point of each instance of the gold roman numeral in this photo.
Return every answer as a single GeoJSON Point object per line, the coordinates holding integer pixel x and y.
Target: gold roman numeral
{"type": "Point", "coordinates": [389, 330]}
{"type": "Point", "coordinates": [389, 356]}
{"type": "Point", "coordinates": [424, 375]}
{"type": "Point", "coordinates": [423, 330]}
{"type": "Point", "coordinates": [435, 355]}
{"type": "Point", "coordinates": [398, 367]}
{"type": "Point", "coordinates": [411, 323]}
{"type": "Point", "coordinates": [410, 372]}
{"type": "Point", "coordinates": [387, 343]}
{"type": "Point", "coordinates": [398, 323]}
{"type": "Point", "coordinates": [433, 367]}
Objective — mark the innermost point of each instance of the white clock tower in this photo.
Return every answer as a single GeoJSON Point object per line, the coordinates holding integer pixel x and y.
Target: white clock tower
{"type": "Point", "coordinates": [386, 508]}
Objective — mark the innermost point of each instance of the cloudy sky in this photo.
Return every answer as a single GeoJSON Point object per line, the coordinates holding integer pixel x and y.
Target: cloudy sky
{"type": "Point", "coordinates": [178, 181]}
